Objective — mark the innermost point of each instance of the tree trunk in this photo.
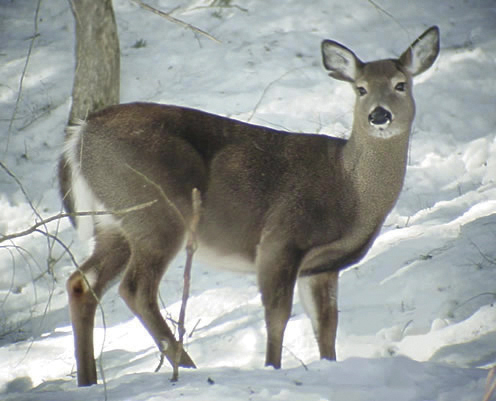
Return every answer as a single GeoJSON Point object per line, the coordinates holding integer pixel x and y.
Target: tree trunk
{"type": "Point", "coordinates": [97, 76]}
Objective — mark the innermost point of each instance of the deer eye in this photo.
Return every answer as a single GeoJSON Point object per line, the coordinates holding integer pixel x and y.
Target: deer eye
{"type": "Point", "coordinates": [361, 91]}
{"type": "Point", "coordinates": [400, 86]}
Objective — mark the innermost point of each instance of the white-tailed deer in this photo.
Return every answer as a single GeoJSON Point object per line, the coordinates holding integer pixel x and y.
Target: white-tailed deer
{"type": "Point", "coordinates": [297, 207]}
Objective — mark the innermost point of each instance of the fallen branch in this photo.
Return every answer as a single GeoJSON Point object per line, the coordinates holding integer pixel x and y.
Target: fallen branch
{"type": "Point", "coordinates": [175, 20]}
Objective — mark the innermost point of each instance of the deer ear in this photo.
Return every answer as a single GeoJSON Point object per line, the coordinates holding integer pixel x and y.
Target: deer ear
{"type": "Point", "coordinates": [422, 53]}
{"type": "Point", "coordinates": [340, 61]}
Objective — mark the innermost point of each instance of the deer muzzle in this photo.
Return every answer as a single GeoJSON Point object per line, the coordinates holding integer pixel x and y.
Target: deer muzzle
{"type": "Point", "coordinates": [380, 117]}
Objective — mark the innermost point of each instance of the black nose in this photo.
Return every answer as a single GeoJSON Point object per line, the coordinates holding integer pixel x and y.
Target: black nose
{"type": "Point", "coordinates": [380, 116]}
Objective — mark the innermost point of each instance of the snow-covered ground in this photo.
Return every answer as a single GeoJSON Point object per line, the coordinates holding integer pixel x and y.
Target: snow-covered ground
{"type": "Point", "coordinates": [417, 319]}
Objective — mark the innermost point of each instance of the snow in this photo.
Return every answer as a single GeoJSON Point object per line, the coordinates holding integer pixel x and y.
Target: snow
{"type": "Point", "coordinates": [417, 315]}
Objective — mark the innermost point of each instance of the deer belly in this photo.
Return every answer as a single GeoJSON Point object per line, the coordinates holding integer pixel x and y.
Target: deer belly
{"type": "Point", "coordinates": [222, 260]}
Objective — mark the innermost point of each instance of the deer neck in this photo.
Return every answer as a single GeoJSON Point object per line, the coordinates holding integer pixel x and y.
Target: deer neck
{"type": "Point", "coordinates": [375, 167]}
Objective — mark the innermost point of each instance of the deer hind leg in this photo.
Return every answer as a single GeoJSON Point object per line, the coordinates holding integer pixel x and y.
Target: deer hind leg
{"type": "Point", "coordinates": [151, 251]}
{"type": "Point", "coordinates": [318, 294]}
{"type": "Point", "coordinates": [85, 288]}
{"type": "Point", "coordinates": [277, 272]}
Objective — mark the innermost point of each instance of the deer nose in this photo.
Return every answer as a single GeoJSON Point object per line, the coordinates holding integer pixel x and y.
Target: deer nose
{"type": "Point", "coordinates": [380, 116]}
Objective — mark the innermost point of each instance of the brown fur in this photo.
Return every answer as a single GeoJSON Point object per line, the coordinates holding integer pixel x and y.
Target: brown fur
{"type": "Point", "coordinates": [296, 206]}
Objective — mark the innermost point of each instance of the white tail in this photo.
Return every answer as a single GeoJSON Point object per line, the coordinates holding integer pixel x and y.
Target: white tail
{"type": "Point", "coordinates": [297, 207]}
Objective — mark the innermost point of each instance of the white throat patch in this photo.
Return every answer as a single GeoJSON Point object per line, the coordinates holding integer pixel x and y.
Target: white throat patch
{"type": "Point", "coordinates": [385, 132]}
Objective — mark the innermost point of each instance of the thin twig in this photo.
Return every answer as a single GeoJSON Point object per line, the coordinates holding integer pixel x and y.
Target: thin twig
{"type": "Point", "coordinates": [490, 385]}
{"type": "Point", "coordinates": [21, 187]}
{"type": "Point", "coordinates": [191, 247]}
{"type": "Point", "coordinates": [12, 281]}
{"type": "Point", "coordinates": [175, 20]}
{"type": "Point", "coordinates": [484, 256]}
{"type": "Point", "coordinates": [47, 306]}
{"type": "Point", "coordinates": [297, 358]}
{"type": "Point", "coordinates": [266, 89]}
{"type": "Point", "coordinates": [160, 363]}
{"type": "Point", "coordinates": [100, 306]}
{"type": "Point", "coordinates": [387, 13]}
{"type": "Point", "coordinates": [23, 74]}
{"type": "Point", "coordinates": [162, 194]}
{"type": "Point", "coordinates": [31, 205]}
{"type": "Point", "coordinates": [59, 216]}
{"type": "Point", "coordinates": [382, 10]}
{"type": "Point", "coordinates": [214, 5]}
{"type": "Point", "coordinates": [482, 294]}
{"type": "Point", "coordinates": [194, 328]}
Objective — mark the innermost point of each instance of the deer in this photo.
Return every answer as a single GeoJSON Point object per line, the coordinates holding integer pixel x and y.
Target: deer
{"type": "Point", "coordinates": [294, 208]}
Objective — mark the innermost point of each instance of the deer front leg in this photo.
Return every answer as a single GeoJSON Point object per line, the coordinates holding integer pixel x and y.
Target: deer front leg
{"type": "Point", "coordinates": [277, 271]}
{"type": "Point", "coordinates": [318, 294]}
